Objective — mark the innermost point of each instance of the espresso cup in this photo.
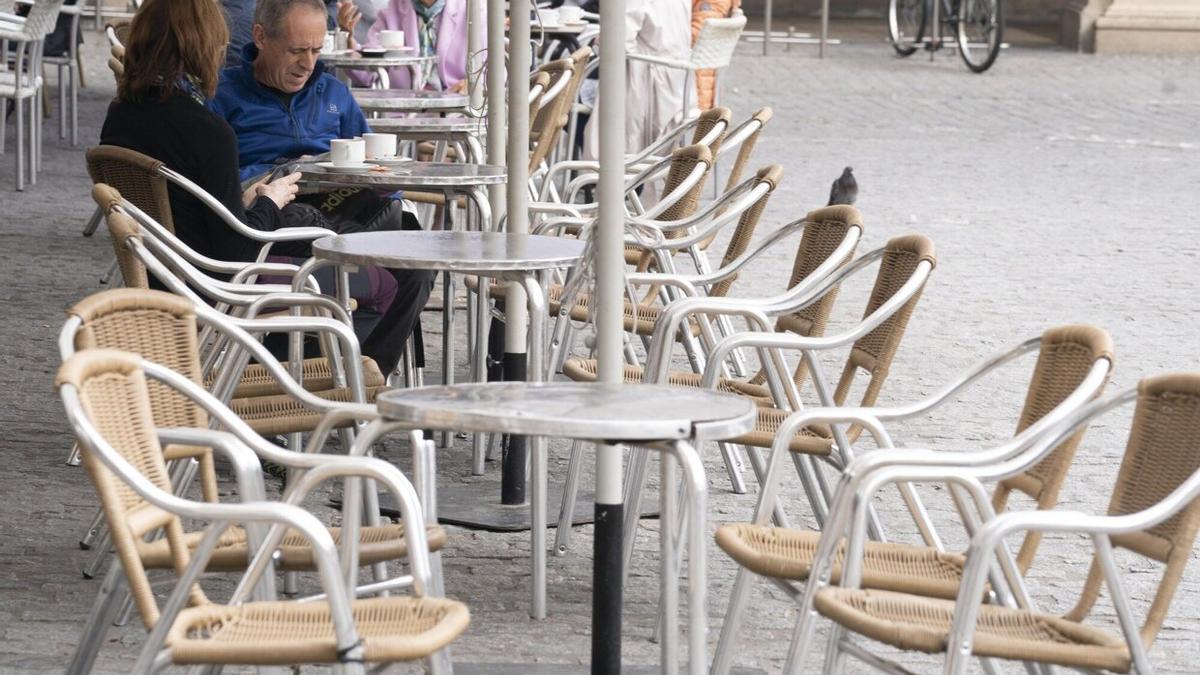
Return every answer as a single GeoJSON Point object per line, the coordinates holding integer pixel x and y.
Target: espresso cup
{"type": "Point", "coordinates": [391, 39]}
{"type": "Point", "coordinates": [329, 43]}
{"type": "Point", "coordinates": [570, 14]}
{"type": "Point", "coordinates": [380, 146]}
{"type": "Point", "coordinates": [549, 16]}
{"type": "Point", "coordinates": [347, 151]}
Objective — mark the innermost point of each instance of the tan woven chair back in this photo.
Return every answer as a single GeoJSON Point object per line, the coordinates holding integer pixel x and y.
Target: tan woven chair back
{"type": "Point", "coordinates": [137, 177]}
{"type": "Point", "coordinates": [160, 327]}
{"type": "Point", "coordinates": [771, 175]}
{"type": "Point", "coordinates": [825, 229]}
{"type": "Point", "coordinates": [539, 81]}
{"type": "Point", "coordinates": [683, 161]}
{"type": "Point", "coordinates": [114, 396]}
{"type": "Point", "coordinates": [872, 354]}
{"type": "Point", "coordinates": [547, 126]}
{"type": "Point", "coordinates": [709, 120]}
{"type": "Point", "coordinates": [121, 228]}
{"type": "Point", "coordinates": [1066, 356]}
{"type": "Point", "coordinates": [746, 149]}
{"type": "Point", "coordinates": [1163, 450]}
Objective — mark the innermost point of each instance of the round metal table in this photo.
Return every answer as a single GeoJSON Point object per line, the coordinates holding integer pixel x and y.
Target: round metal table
{"type": "Point", "coordinates": [410, 100]}
{"type": "Point", "coordinates": [464, 132]}
{"type": "Point", "coordinates": [353, 60]}
{"type": "Point", "coordinates": [667, 419]}
{"type": "Point", "coordinates": [489, 255]}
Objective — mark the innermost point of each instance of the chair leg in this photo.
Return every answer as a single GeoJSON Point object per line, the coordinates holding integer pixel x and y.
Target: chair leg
{"type": "Point", "coordinates": [733, 467]}
{"type": "Point", "coordinates": [743, 588]}
{"type": "Point", "coordinates": [635, 486]}
{"type": "Point", "coordinates": [566, 512]}
{"type": "Point", "coordinates": [3, 121]}
{"type": "Point", "coordinates": [93, 222]}
{"type": "Point", "coordinates": [21, 145]}
{"type": "Point", "coordinates": [62, 101]}
{"type": "Point", "coordinates": [104, 610]}
{"type": "Point", "coordinates": [94, 529]}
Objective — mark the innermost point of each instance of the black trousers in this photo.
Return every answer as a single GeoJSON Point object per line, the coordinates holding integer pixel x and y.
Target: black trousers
{"type": "Point", "coordinates": [382, 340]}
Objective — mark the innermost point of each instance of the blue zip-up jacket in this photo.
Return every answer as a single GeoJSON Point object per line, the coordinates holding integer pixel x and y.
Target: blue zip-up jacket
{"type": "Point", "coordinates": [269, 132]}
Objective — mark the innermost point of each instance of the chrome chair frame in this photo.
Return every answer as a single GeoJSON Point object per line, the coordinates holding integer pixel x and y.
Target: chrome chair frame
{"type": "Point", "coordinates": [875, 420]}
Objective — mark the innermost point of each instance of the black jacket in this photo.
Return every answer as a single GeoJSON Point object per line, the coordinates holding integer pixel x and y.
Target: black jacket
{"type": "Point", "coordinates": [195, 142]}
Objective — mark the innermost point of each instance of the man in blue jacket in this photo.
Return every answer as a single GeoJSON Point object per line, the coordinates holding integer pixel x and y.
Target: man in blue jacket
{"type": "Point", "coordinates": [283, 105]}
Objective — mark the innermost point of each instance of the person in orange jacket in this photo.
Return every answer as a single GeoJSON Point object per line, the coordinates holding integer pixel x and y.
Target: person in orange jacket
{"type": "Point", "coordinates": [706, 80]}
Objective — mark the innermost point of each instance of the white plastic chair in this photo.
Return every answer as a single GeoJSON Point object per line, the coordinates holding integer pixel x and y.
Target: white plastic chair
{"type": "Point", "coordinates": [713, 49]}
{"type": "Point", "coordinates": [23, 83]}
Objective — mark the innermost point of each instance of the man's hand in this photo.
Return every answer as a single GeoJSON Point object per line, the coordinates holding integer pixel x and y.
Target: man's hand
{"type": "Point", "coordinates": [282, 190]}
{"type": "Point", "coordinates": [348, 15]}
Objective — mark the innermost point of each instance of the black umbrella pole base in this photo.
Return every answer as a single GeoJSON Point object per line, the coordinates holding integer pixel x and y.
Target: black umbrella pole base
{"type": "Point", "coordinates": [606, 590]}
{"type": "Point", "coordinates": [512, 473]}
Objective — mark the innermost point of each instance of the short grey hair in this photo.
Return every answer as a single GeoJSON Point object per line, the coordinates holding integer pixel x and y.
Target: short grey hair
{"type": "Point", "coordinates": [270, 13]}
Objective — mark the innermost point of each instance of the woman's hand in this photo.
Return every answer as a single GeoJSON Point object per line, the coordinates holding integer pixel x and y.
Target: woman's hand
{"type": "Point", "coordinates": [282, 190]}
{"type": "Point", "coordinates": [459, 87]}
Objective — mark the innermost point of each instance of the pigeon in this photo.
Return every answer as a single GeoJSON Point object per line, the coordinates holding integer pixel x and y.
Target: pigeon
{"type": "Point", "coordinates": [845, 188]}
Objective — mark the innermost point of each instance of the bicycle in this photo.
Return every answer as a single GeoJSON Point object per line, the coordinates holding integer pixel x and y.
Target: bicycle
{"type": "Point", "coordinates": [979, 25]}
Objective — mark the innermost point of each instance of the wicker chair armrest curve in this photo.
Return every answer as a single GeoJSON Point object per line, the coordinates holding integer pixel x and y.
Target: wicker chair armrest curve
{"type": "Point", "coordinates": [247, 467]}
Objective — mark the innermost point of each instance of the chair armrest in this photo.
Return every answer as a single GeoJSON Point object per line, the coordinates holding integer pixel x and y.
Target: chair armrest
{"type": "Point", "coordinates": [661, 61]}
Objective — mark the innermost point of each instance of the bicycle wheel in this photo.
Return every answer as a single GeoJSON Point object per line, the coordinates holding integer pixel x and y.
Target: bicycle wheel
{"type": "Point", "coordinates": [906, 25]}
{"type": "Point", "coordinates": [980, 32]}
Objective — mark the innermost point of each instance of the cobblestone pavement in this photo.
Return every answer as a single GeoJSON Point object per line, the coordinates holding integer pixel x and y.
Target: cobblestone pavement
{"type": "Point", "coordinates": [1059, 188]}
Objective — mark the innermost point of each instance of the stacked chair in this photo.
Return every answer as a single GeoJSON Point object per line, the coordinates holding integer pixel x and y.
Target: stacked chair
{"type": "Point", "coordinates": [22, 84]}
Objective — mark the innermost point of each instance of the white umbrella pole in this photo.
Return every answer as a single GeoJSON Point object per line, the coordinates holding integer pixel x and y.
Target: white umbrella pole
{"type": "Point", "coordinates": [495, 95]}
{"type": "Point", "coordinates": [610, 264]}
{"type": "Point", "coordinates": [512, 488]}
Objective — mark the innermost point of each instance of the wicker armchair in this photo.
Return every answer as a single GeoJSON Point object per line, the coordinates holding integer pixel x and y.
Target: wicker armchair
{"type": "Point", "coordinates": [109, 406]}
{"type": "Point", "coordinates": [1072, 366]}
{"type": "Point", "coordinates": [1153, 513]}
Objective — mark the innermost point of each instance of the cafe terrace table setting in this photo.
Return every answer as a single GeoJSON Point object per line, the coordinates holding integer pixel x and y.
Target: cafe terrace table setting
{"type": "Point", "coordinates": [463, 132]}
{"type": "Point", "coordinates": [668, 420]}
{"type": "Point", "coordinates": [410, 100]}
{"type": "Point", "coordinates": [403, 57]}
{"type": "Point", "coordinates": [489, 255]}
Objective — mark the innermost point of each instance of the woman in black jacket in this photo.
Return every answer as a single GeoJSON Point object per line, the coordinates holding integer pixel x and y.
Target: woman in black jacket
{"type": "Point", "coordinates": [173, 55]}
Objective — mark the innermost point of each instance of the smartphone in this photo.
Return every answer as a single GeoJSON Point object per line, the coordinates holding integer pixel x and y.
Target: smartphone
{"type": "Point", "coordinates": [283, 170]}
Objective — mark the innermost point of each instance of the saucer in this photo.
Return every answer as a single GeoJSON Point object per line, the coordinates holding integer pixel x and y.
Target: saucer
{"type": "Point", "coordinates": [390, 161]}
{"type": "Point", "coordinates": [373, 52]}
{"type": "Point", "coordinates": [393, 52]}
{"type": "Point", "coordinates": [574, 24]}
{"type": "Point", "coordinates": [346, 168]}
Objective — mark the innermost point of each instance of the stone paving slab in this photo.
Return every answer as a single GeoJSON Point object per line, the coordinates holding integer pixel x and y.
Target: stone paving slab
{"type": "Point", "coordinates": [1058, 187]}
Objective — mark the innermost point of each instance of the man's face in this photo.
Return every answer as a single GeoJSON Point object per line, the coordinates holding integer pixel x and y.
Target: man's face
{"type": "Point", "coordinates": [286, 61]}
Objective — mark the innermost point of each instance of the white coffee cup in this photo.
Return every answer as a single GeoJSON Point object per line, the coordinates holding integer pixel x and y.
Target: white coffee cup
{"type": "Point", "coordinates": [348, 151]}
{"type": "Point", "coordinates": [380, 146]}
{"type": "Point", "coordinates": [329, 43]}
{"type": "Point", "coordinates": [570, 14]}
{"type": "Point", "coordinates": [549, 16]}
{"type": "Point", "coordinates": [391, 39]}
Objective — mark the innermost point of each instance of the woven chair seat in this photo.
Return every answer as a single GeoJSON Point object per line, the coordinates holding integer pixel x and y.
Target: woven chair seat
{"type": "Point", "coordinates": [318, 376]}
{"type": "Point", "coordinates": [785, 553]}
{"type": "Point", "coordinates": [923, 624]}
{"type": "Point", "coordinates": [376, 544]}
{"type": "Point", "coordinates": [283, 633]}
{"type": "Point", "coordinates": [587, 370]}
{"type": "Point", "coordinates": [647, 315]}
{"type": "Point", "coordinates": [816, 439]}
{"type": "Point", "coordinates": [282, 414]}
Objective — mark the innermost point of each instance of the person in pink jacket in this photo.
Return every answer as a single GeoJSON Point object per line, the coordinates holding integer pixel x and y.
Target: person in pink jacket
{"type": "Point", "coordinates": [434, 26]}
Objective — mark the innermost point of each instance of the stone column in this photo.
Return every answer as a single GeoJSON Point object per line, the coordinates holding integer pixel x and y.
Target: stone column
{"type": "Point", "coordinates": [1076, 28]}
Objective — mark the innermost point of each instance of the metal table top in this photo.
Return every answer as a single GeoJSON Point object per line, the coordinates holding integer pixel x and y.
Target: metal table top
{"type": "Point", "coordinates": [429, 125]}
{"type": "Point", "coordinates": [467, 252]}
{"type": "Point", "coordinates": [577, 410]}
{"type": "Point", "coordinates": [409, 100]}
{"type": "Point", "coordinates": [411, 175]}
{"type": "Point", "coordinates": [352, 59]}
